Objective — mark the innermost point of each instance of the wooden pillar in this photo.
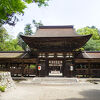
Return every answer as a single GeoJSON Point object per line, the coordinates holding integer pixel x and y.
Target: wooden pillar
{"type": "Point", "coordinates": [73, 69]}
{"type": "Point", "coordinates": [9, 67]}
{"type": "Point", "coordinates": [37, 63]}
{"type": "Point", "coordinates": [28, 69]}
{"type": "Point", "coordinates": [89, 70]}
{"type": "Point", "coordinates": [47, 64]}
{"type": "Point", "coordinates": [18, 68]}
{"type": "Point", "coordinates": [12, 69]}
{"type": "Point", "coordinates": [64, 65]}
{"type": "Point", "coordinates": [22, 68]}
{"type": "Point", "coordinates": [1, 67]}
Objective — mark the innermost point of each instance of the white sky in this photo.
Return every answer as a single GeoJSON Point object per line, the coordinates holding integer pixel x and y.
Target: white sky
{"type": "Point", "coordinates": [79, 13]}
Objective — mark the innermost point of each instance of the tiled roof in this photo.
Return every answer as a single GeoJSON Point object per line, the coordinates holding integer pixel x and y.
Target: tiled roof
{"type": "Point", "coordinates": [55, 31]}
{"type": "Point", "coordinates": [13, 55]}
{"type": "Point", "coordinates": [91, 55]}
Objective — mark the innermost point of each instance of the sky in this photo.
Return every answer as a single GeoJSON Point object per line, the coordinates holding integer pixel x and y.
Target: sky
{"type": "Point", "coordinates": [79, 13]}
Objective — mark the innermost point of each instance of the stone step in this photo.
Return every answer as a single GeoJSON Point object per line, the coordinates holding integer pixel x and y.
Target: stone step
{"type": "Point", "coordinates": [54, 80]}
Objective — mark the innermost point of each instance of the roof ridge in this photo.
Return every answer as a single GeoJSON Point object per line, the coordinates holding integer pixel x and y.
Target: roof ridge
{"type": "Point", "coordinates": [52, 27]}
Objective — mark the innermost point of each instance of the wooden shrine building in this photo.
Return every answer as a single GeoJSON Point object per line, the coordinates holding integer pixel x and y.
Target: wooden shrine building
{"type": "Point", "coordinates": [53, 48]}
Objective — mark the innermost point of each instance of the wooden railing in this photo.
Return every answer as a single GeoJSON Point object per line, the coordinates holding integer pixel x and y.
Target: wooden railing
{"type": "Point", "coordinates": [85, 72]}
{"type": "Point", "coordinates": [20, 72]}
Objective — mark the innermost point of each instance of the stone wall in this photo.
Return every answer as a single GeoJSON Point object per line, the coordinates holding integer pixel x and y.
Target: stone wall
{"type": "Point", "coordinates": [6, 80]}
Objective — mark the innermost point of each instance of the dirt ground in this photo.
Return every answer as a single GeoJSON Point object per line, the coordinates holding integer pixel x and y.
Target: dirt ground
{"type": "Point", "coordinates": [29, 91]}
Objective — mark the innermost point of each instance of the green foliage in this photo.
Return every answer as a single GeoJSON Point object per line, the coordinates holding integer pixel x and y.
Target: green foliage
{"type": "Point", "coordinates": [8, 9]}
{"type": "Point", "coordinates": [28, 1]}
{"type": "Point", "coordinates": [21, 42]}
{"type": "Point", "coordinates": [3, 34]}
{"type": "Point", "coordinates": [12, 45]}
{"type": "Point", "coordinates": [89, 30]}
{"type": "Point", "coordinates": [39, 2]}
{"type": "Point", "coordinates": [2, 88]}
{"type": "Point", "coordinates": [33, 66]}
{"type": "Point", "coordinates": [37, 24]}
{"type": "Point", "coordinates": [94, 43]}
{"type": "Point", "coordinates": [27, 31]}
{"type": "Point", "coordinates": [7, 43]}
{"type": "Point", "coordinates": [3, 37]}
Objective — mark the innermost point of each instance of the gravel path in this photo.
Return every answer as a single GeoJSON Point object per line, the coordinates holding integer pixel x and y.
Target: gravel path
{"type": "Point", "coordinates": [29, 91]}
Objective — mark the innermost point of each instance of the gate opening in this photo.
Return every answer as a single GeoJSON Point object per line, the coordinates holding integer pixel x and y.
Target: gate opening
{"type": "Point", "coordinates": [55, 68]}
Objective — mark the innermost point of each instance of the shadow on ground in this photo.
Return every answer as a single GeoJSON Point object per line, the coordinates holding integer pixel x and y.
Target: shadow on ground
{"type": "Point", "coordinates": [87, 95]}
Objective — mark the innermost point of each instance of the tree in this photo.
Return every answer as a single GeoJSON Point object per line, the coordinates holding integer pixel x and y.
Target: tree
{"type": "Point", "coordinates": [3, 38]}
{"type": "Point", "coordinates": [89, 30]}
{"type": "Point", "coordinates": [21, 42]}
{"type": "Point", "coordinates": [12, 45]}
{"type": "Point", "coordinates": [27, 31]}
{"type": "Point", "coordinates": [94, 43]}
{"type": "Point", "coordinates": [6, 42]}
{"type": "Point", "coordinates": [9, 9]}
{"type": "Point", "coordinates": [37, 24]}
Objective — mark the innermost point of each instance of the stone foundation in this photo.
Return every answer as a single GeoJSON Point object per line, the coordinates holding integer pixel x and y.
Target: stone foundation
{"type": "Point", "coordinates": [6, 80]}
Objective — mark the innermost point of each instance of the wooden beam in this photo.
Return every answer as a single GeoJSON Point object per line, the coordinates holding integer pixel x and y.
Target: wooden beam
{"type": "Point", "coordinates": [17, 60]}
{"type": "Point", "coordinates": [91, 60]}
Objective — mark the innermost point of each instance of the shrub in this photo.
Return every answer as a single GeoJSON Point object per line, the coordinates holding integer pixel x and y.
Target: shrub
{"type": "Point", "coordinates": [2, 88]}
{"type": "Point", "coordinates": [33, 66]}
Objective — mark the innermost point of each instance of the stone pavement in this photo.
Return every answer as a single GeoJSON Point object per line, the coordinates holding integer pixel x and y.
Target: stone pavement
{"type": "Point", "coordinates": [30, 91]}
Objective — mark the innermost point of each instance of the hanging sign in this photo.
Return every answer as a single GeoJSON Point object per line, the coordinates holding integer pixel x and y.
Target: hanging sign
{"type": "Point", "coordinates": [39, 67]}
{"type": "Point", "coordinates": [71, 68]}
